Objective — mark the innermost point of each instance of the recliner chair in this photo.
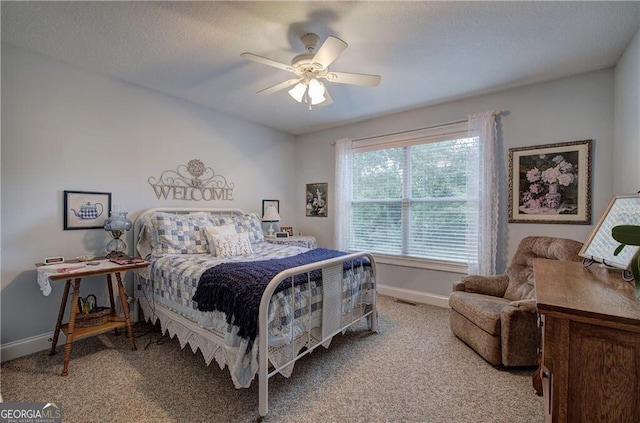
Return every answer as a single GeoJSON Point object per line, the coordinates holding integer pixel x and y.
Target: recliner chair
{"type": "Point", "coordinates": [496, 315]}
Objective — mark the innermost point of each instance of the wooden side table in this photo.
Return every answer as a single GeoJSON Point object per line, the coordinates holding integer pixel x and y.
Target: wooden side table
{"type": "Point", "coordinates": [105, 267]}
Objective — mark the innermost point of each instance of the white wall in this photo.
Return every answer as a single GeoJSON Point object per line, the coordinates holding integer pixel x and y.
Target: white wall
{"type": "Point", "coordinates": [66, 129]}
{"type": "Point", "coordinates": [63, 128]}
{"type": "Point", "coordinates": [626, 151]}
{"type": "Point", "coordinates": [569, 109]}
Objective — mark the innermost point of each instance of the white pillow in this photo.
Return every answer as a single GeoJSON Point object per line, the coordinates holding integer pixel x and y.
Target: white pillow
{"type": "Point", "coordinates": [212, 231]}
{"type": "Point", "coordinates": [232, 245]}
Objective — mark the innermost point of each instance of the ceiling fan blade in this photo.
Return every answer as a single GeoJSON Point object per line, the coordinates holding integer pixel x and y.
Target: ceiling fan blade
{"type": "Point", "coordinates": [280, 86]}
{"type": "Point", "coordinates": [353, 78]}
{"type": "Point", "coordinates": [268, 62]}
{"type": "Point", "coordinates": [329, 51]}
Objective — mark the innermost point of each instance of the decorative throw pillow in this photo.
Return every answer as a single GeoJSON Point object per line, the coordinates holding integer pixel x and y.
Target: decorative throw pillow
{"type": "Point", "coordinates": [247, 223]}
{"type": "Point", "coordinates": [232, 245]}
{"type": "Point", "coordinates": [212, 231]}
{"type": "Point", "coordinates": [180, 234]}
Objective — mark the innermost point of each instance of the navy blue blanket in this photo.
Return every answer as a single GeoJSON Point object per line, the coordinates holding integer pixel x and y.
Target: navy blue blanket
{"type": "Point", "coordinates": [236, 288]}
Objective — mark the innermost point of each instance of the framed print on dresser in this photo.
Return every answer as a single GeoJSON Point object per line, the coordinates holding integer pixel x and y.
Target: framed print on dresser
{"type": "Point", "coordinates": [601, 246]}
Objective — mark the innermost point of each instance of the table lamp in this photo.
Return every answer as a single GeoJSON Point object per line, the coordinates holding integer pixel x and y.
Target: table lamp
{"type": "Point", "coordinates": [271, 215]}
{"type": "Point", "coordinates": [117, 225]}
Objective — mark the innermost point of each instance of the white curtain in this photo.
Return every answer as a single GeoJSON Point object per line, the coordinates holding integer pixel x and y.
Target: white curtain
{"type": "Point", "coordinates": [482, 196]}
{"type": "Point", "coordinates": [343, 188]}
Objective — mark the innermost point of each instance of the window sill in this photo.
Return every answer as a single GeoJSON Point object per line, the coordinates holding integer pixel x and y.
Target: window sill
{"type": "Point", "coordinates": [442, 266]}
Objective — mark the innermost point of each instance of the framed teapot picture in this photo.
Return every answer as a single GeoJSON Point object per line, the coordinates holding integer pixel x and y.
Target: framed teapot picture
{"type": "Point", "coordinates": [86, 210]}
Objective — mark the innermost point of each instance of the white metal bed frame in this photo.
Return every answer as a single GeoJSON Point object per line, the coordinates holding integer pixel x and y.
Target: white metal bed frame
{"type": "Point", "coordinates": [263, 348]}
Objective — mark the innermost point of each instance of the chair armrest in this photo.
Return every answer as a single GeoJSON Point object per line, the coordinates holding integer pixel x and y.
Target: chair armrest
{"type": "Point", "coordinates": [488, 285]}
{"type": "Point", "coordinates": [458, 286]}
{"type": "Point", "coordinates": [520, 336]}
{"type": "Point", "coordinates": [525, 305]}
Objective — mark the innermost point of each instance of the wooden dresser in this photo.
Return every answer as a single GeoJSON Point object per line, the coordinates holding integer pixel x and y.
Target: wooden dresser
{"type": "Point", "coordinates": [590, 324]}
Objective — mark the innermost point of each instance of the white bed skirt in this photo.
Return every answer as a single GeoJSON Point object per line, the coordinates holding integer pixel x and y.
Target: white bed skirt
{"type": "Point", "coordinates": [211, 343]}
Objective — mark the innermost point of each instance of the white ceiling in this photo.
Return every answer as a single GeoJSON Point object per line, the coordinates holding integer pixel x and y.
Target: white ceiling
{"type": "Point", "coordinates": [426, 52]}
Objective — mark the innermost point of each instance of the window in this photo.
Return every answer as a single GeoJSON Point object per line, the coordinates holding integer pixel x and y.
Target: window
{"type": "Point", "coordinates": [409, 194]}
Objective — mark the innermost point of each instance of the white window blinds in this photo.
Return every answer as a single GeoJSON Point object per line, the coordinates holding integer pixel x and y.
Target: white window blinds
{"type": "Point", "coordinates": [409, 194]}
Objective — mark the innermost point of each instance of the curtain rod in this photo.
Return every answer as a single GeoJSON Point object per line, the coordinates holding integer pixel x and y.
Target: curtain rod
{"type": "Point", "coordinates": [494, 112]}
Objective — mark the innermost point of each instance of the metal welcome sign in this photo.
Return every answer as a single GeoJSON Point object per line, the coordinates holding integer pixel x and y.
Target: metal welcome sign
{"type": "Point", "coordinates": [193, 182]}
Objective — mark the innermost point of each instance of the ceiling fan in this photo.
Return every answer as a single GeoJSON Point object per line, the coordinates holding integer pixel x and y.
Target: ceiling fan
{"type": "Point", "coordinates": [311, 68]}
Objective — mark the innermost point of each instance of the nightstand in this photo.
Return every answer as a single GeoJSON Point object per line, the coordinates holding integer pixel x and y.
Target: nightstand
{"type": "Point", "coordinates": [83, 270]}
{"type": "Point", "coordinates": [300, 241]}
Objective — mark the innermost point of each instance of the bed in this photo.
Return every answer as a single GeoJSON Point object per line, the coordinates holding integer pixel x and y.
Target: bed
{"type": "Point", "coordinates": [255, 307]}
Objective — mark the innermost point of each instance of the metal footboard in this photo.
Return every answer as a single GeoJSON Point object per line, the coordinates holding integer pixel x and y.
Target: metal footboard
{"type": "Point", "coordinates": [263, 342]}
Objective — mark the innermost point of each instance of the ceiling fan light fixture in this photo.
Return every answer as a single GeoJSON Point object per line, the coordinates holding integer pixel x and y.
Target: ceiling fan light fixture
{"type": "Point", "coordinates": [316, 93]}
{"type": "Point", "coordinates": [298, 91]}
{"type": "Point", "coordinates": [318, 100]}
{"type": "Point", "coordinates": [316, 89]}
{"type": "Point", "coordinates": [309, 92]}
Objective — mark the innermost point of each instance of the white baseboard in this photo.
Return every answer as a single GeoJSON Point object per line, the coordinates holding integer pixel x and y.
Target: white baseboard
{"type": "Point", "coordinates": [42, 342]}
{"type": "Point", "coordinates": [414, 296]}
{"type": "Point", "coordinates": [28, 346]}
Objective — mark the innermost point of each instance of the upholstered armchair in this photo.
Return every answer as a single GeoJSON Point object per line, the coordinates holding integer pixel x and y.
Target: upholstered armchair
{"type": "Point", "coordinates": [496, 315]}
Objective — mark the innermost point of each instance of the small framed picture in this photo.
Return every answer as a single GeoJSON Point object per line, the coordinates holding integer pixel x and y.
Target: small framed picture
{"type": "Point", "coordinates": [287, 229]}
{"type": "Point", "coordinates": [86, 210]}
{"type": "Point", "coordinates": [550, 183]}
{"type": "Point", "coordinates": [267, 203]}
{"type": "Point", "coordinates": [317, 200]}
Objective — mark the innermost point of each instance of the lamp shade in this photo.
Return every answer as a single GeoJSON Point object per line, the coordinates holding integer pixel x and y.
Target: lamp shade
{"type": "Point", "coordinates": [316, 91]}
{"type": "Point", "coordinates": [298, 91]}
{"type": "Point", "coordinates": [310, 92]}
{"type": "Point", "coordinates": [271, 215]}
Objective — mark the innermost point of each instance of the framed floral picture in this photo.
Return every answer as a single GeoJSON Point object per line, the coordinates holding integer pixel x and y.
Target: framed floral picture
{"type": "Point", "coordinates": [550, 183]}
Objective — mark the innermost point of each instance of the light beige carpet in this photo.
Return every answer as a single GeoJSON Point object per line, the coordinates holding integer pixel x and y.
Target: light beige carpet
{"type": "Point", "coordinates": [414, 370]}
